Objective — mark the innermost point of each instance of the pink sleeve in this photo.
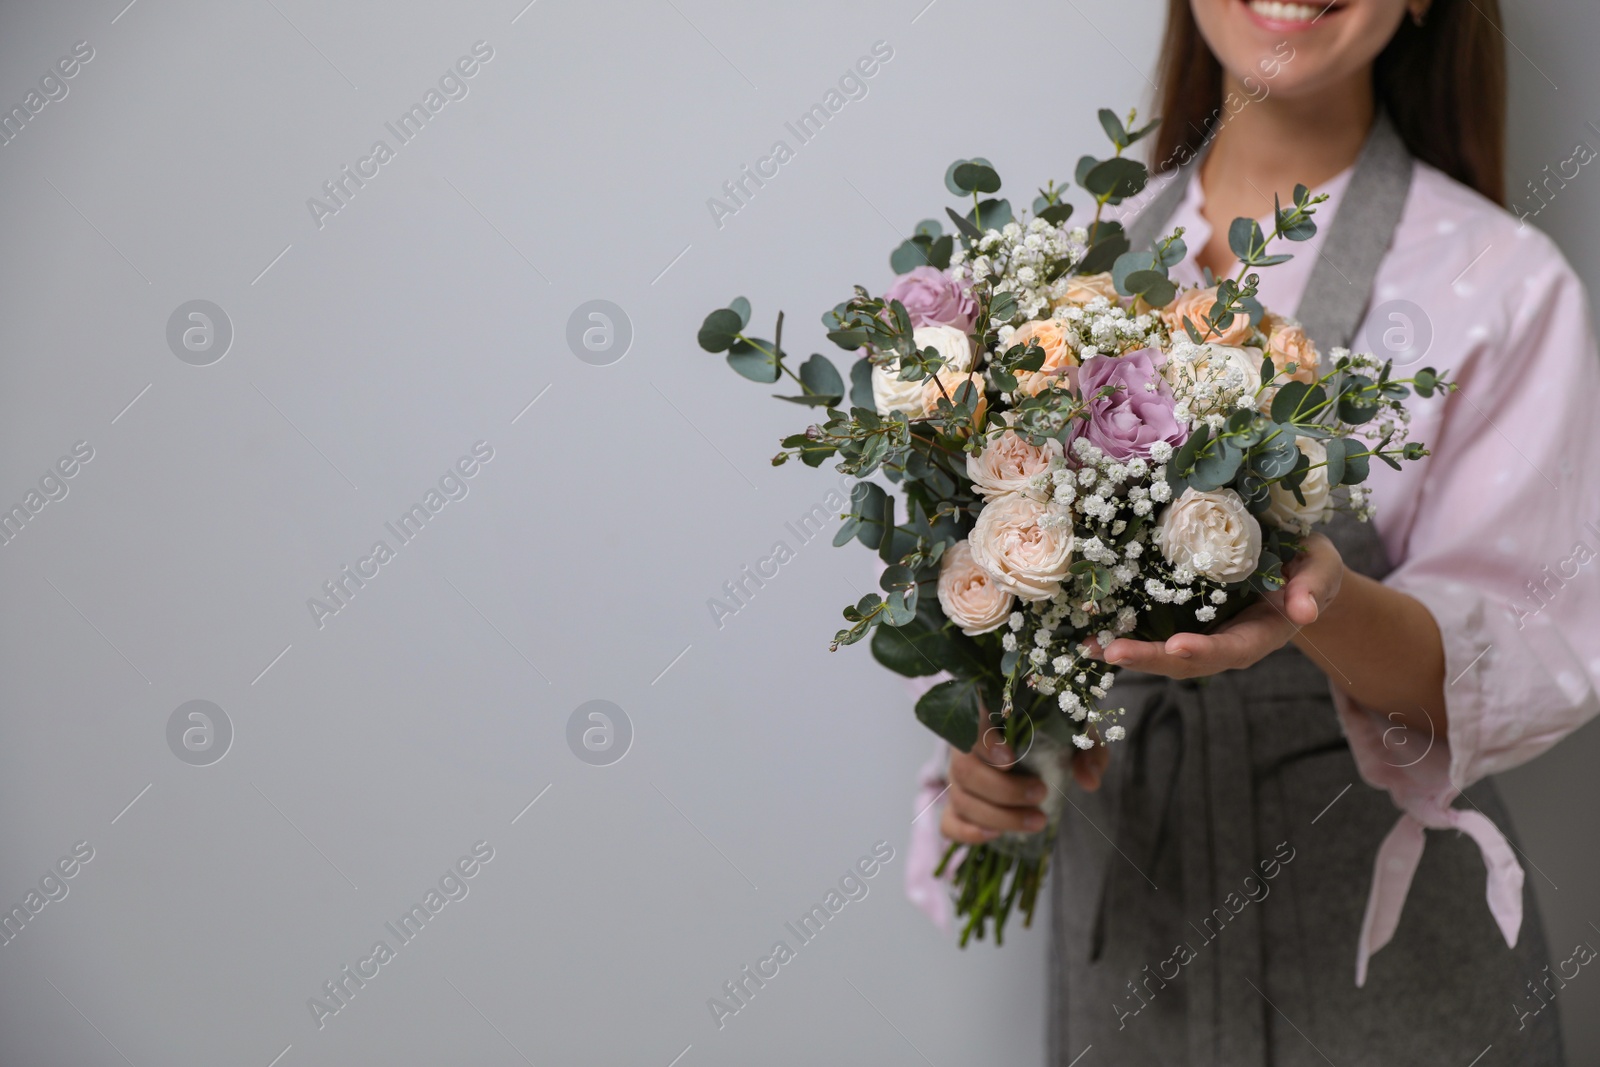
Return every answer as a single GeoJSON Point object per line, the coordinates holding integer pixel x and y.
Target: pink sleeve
{"type": "Point", "coordinates": [929, 894]}
{"type": "Point", "coordinates": [1502, 551]}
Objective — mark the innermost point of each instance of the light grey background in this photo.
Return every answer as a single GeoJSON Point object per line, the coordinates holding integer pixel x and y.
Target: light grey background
{"type": "Point", "coordinates": [373, 352]}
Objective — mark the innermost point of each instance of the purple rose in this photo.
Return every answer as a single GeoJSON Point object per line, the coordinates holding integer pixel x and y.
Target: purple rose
{"type": "Point", "coordinates": [1126, 423]}
{"type": "Point", "coordinates": [932, 298]}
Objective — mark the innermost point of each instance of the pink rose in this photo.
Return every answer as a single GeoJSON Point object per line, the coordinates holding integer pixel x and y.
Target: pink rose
{"type": "Point", "coordinates": [1139, 413]}
{"type": "Point", "coordinates": [933, 298]}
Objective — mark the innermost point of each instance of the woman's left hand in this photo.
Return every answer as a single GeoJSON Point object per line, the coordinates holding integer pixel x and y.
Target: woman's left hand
{"type": "Point", "coordinates": [1313, 582]}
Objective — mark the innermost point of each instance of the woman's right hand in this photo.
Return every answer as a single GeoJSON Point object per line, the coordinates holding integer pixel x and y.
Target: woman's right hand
{"type": "Point", "coordinates": [987, 799]}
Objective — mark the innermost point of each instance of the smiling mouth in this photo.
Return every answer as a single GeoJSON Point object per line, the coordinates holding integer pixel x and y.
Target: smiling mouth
{"type": "Point", "coordinates": [1277, 15]}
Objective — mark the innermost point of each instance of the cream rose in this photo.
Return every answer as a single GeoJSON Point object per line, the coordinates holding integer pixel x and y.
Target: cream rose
{"type": "Point", "coordinates": [1194, 304]}
{"type": "Point", "coordinates": [1082, 288]}
{"type": "Point", "coordinates": [1059, 358]}
{"type": "Point", "coordinates": [1009, 464]}
{"type": "Point", "coordinates": [953, 385]}
{"type": "Point", "coordinates": [1214, 533]}
{"type": "Point", "coordinates": [890, 394]}
{"type": "Point", "coordinates": [968, 595]}
{"type": "Point", "coordinates": [1020, 550]}
{"type": "Point", "coordinates": [953, 345]}
{"type": "Point", "coordinates": [1214, 376]}
{"type": "Point", "coordinates": [1289, 513]}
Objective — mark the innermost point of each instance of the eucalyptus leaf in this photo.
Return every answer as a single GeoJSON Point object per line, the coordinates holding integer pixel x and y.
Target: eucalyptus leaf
{"type": "Point", "coordinates": [967, 229]}
{"type": "Point", "coordinates": [1113, 127]}
{"type": "Point", "coordinates": [976, 178]}
{"type": "Point", "coordinates": [720, 330]}
{"type": "Point", "coordinates": [912, 649]}
{"type": "Point", "coordinates": [910, 254]}
{"type": "Point", "coordinates": [861, 383]}
{"type": "Point", "coordinates": [1118, 177]}
{"type": "Point", "coordinates": [951, 709]}
{"type": "Point", "coordinates": [1056, 214]}
{"type": "Point", "coordinates": [820, 376]}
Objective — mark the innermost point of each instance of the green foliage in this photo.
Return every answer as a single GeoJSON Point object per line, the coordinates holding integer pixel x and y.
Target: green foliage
{"type": "Point", "coordinates": [951, 709]}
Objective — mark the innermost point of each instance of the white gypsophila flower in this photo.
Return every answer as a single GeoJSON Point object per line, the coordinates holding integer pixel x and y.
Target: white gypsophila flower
{"type": "Point", "coordinates": [1115, 733]}
{"type": "Point", "coordinates": [1160, 451]}
{"type": "Point", "coordinates": [1008, 642]}
{"type": "Point", "coordinates": [1205, 614]}
{"type": "Point", "coordinates": [1083, 741]}
{"type": "Point", "coordinates": [1016, 620]}
{"type": "Point", "coordinates": [1037, 657]}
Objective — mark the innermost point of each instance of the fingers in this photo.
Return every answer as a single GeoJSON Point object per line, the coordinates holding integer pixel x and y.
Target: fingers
{"type": "Point", "coordinates": [974, 809]}
{"type": "Point", "coordinates": [996, 786]}
{"type": "Point", "coordinates": [1238, 643]}
{"type": "Point", "coordinates": [1314, 579]}
{"type": "Point", "coordinates": [955, 828]}
{"type": "Point", "coordinates": [985, 801]}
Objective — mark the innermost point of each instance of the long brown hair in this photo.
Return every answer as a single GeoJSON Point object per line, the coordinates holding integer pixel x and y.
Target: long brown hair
{"type": "Point", "coordinates": [1443, 83]}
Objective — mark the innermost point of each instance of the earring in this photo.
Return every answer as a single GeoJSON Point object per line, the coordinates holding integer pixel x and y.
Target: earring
{"type": "Point", "coordinates": [1417, 15]}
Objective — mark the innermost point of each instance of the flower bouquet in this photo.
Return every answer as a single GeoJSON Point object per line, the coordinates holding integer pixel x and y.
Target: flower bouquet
{"type": "Point", "coordinates": [1065, 448]}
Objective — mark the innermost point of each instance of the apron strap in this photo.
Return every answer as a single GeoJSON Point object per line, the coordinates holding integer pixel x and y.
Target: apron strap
{"type": "Point", "coordinates": [1358, 238]}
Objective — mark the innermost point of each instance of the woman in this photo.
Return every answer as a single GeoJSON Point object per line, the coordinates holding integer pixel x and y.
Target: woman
{"type": "Point", "coordinates": [1210, 900]}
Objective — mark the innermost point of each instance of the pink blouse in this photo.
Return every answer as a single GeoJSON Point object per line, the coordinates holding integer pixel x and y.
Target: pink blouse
{"type": "Point", "coordinates": [1494, 532]}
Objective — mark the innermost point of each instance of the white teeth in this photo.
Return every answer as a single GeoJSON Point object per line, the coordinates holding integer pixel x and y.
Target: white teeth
{"type": "Point", "coordinates": [1272, 9]}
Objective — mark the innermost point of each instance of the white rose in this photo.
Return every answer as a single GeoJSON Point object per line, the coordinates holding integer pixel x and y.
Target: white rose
{"type": "Point", "coordinates": [890, 394]}
{"type": "Point", "coordinates": [969, 596]}
{"type": "Point", "coordinates": [1215, 378]}
{"type": "Point", "coordinates": [951, 343]}
{"type": "Point", "coordinates": [1009, 464]}
{"type": "Point", "coordinates": [1214, 533]}
{"type": "Point", "coordinates": [1021, 553]}
{"type": "Point", "coordinates": [1287, 512]}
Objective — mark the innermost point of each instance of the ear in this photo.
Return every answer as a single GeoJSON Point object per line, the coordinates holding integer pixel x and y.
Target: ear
{"type": "Point", "coordinates": [1418, 10]}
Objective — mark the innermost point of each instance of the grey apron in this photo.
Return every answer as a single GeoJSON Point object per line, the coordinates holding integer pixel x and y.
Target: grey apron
{"type": "Point", "coordinates": [1207, 900]}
